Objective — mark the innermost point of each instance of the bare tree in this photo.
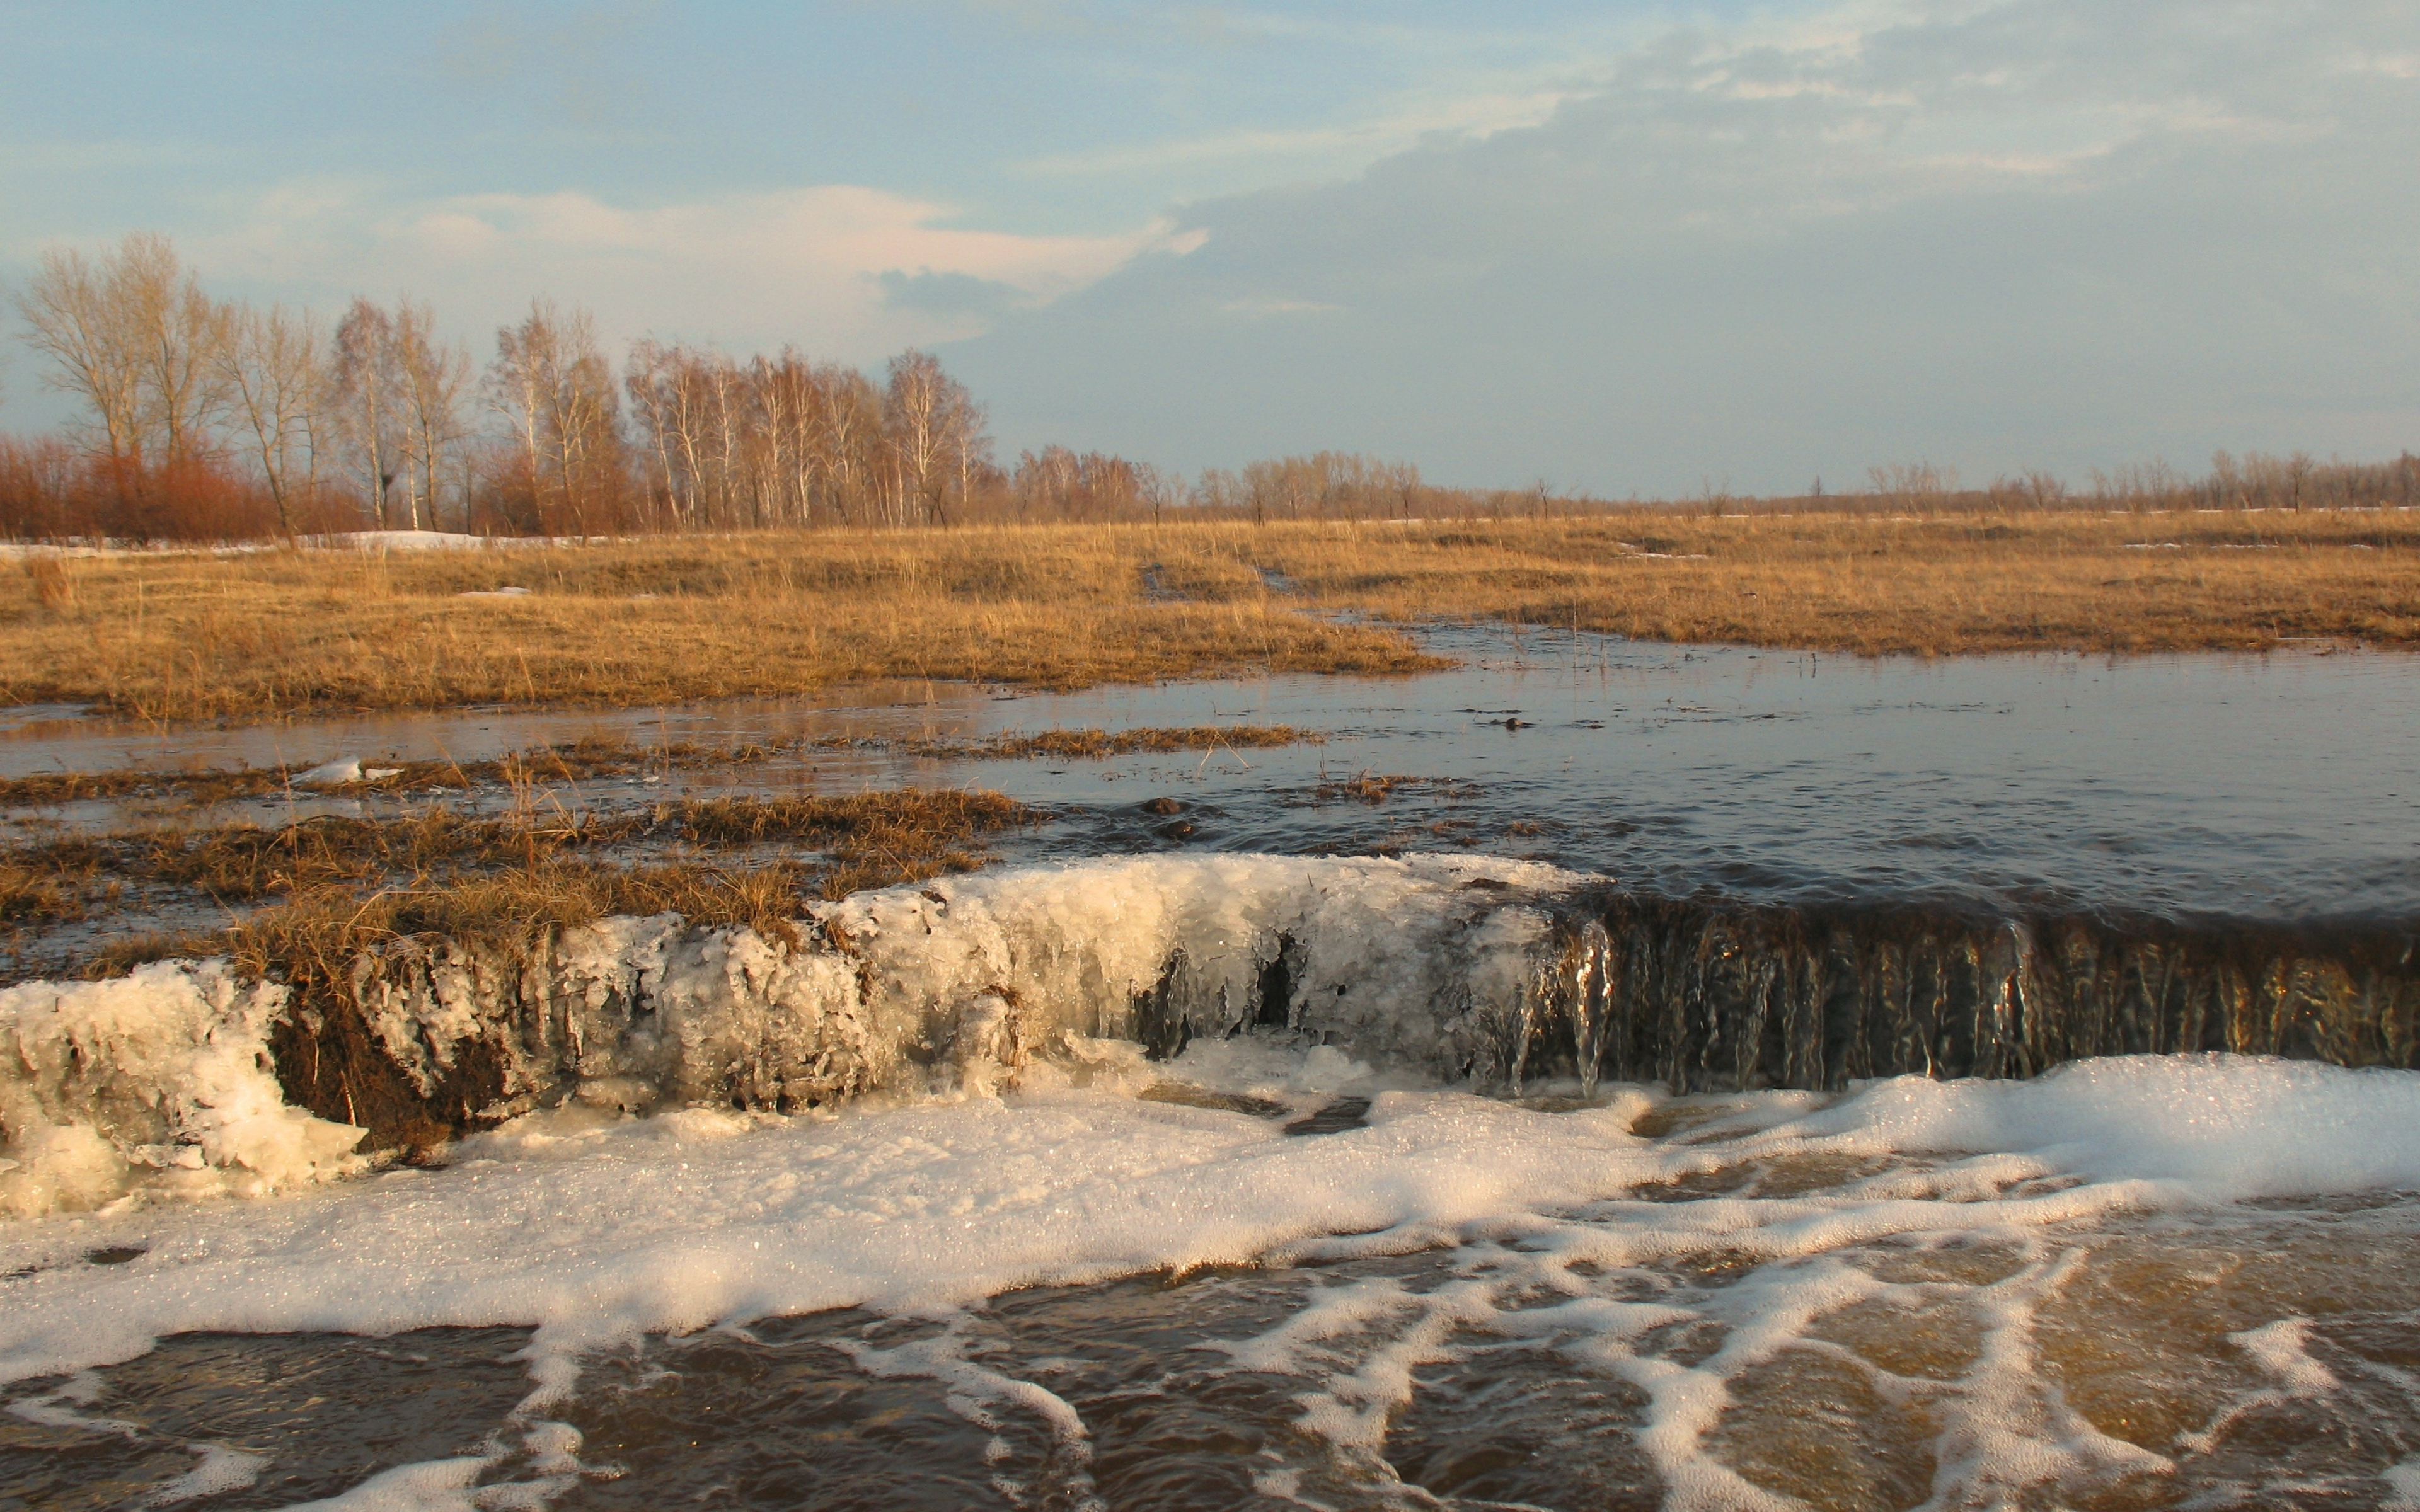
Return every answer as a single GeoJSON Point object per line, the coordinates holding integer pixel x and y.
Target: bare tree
{"type": "Point", "coordinates": [370, 398]}
{"type": "Point", "coordinates": [134, 335]}
{"type": "Point", "coordinates": [185, 334]}
{"type": "Point", "coordinates": [277, 383]}
{"type": "Point", "coordinates": [554, 389]}
{"type": "Point", "coordinates": [71, 319]}
{"type": "Point", "coordinates": [434, 375]}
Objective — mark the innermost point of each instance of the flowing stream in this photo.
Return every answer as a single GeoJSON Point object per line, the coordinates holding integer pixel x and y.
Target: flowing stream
{"type": "Point", "coordinates": [1707, 1079]}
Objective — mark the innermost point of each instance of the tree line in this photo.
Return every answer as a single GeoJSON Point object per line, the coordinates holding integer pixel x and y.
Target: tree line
{"type": "Point", "coordinates": [204, 419]}
{"type": "Point", "coordinates": [200, 419]}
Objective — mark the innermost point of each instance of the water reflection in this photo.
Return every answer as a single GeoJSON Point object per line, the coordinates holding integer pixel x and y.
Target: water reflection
{"type": "Point", "coordinates": [2267, 787]}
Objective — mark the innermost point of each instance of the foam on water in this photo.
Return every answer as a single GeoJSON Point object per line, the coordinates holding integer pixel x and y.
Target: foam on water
{"type": "Point", "coordinates": [973, 1111]}
{"type": "Point", "coordinates": [601, 1229]}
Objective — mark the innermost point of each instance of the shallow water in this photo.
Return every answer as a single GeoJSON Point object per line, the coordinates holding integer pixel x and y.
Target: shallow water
{"type": "Point", "coordinates": [1521, 1311]}
{"type": "Point", "coordinates": [1686, 1344]}
{"type": "Point", "coordinates": [2271, 787]}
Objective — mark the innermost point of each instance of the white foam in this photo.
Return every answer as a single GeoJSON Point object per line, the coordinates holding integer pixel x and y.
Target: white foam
{"type": "Point", "coordinates": [595, 1229]}
{"type": "Point", "coordinates": [2225, 1127]}
{"type": "Point", "coordinates": [221, 1470]}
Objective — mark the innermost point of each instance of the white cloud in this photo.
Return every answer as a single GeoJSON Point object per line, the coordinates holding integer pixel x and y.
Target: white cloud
{"type": "Point", "coordinates": [804, 265]}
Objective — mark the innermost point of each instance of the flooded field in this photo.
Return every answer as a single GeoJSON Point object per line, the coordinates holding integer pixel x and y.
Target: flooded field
{"type": "Point", "coordinates": [1199, 1152]}
{"type": "Point", "coordinates": [2268, 787]}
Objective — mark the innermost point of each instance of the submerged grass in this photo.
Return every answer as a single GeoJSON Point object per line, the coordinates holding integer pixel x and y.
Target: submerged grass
{"type": "Point", "coordinates": [193, 636]}
{"type": "Point", "coordinates": [505, 882]}
{"type": "Point", "coordinates": [592, 759]}
{"type": "Point", "coordinates": [575, 762]}
{"type": "Point", "coordinates": [1375, 789]}
{"type": "Point", "coordinates": [246, 862]}
{"type": "Point", "coordinates": [1095, 745]}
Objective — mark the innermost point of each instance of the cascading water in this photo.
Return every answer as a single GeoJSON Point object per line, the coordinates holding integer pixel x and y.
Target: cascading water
{"type": "Point", "coordinates": [1459, 969]}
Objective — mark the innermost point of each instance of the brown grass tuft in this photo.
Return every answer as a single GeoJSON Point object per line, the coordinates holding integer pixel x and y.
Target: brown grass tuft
{"type": "Point", "coordinates": [54, 586]}
{"type": "Point", "coordinates": [38, 895]}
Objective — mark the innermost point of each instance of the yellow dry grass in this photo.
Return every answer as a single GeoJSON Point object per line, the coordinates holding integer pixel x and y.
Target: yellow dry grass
{"type": "Point", "coordinates": [193, 636]}
{"type": "Point", "coordinates": [176, 638]}
{"type": "Point", "coordinates": [2029, 582]}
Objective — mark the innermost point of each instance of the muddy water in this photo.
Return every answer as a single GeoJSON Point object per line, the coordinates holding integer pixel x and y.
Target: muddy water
{"type": "Point", "coordinates": [2253, 1356]}
{"type": "Point", "coordinates": [2274, 787]}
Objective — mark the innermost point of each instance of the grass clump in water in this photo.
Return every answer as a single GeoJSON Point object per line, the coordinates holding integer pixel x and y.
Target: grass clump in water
{"type": "Point", "coordinates": [341, 885]}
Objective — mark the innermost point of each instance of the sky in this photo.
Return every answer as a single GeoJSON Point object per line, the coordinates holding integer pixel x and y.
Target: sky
{"type": "Point", "coordinates": [1620, 247]}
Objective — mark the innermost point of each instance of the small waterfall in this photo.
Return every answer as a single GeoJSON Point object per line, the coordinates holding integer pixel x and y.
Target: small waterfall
{"type": "Point", "coordinates": [1716, 996]}
{"type": "Point", "coordinates": [1504, 974]}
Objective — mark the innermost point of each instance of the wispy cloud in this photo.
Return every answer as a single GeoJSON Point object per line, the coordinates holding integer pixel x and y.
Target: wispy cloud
{"type": "Point", "coordinates": [2003, 232]}
{"type": "Point", "coordinates": [848, 270]}
{"type": "Point", "coordinates": [1477, 115]}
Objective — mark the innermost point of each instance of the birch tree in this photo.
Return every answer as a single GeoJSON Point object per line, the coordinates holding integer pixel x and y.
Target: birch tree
{"type": "Point", "coordinates": [433, 377]}
{"type": "Point", "coordinates": [277, 382]}
{"type": "Point", "coordinates": [553, 388]}
{"type": "Point", "coordinates": [370, 398]}
{"type": "Point", "coordinates": [935, 428]}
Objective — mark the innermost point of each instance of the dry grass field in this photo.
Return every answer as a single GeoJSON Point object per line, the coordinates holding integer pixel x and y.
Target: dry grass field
{"type": "Point", "coordinates": [186, 637]}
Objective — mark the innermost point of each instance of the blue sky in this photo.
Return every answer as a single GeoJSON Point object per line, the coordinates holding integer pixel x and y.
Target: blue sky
{"type": "Point", "coordinates": [1621, 247]}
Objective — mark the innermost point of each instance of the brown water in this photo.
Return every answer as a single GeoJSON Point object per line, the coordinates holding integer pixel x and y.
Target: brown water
{"type": "Point", "coordinates": [2254, 1355]}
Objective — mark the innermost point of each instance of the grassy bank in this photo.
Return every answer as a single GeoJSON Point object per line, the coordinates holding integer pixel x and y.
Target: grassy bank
{"type": "Point", "coordinates": [499, 880]}
{"type": "Point", "coordinates": [182, 637]}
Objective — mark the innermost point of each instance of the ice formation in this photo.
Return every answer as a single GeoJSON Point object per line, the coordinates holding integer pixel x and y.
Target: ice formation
{"type": "Point", "coordinates": [342, 770]}
{"type": "Point", "coordinates": [1445, 968]}
{"type": "Point", "coordinates": [159, 1081]}
{"type": "Point", "coordinates": [1432, 964]}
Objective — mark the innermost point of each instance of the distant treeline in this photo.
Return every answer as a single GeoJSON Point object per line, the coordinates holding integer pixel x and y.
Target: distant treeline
{"type": "Point", "coordinates": [202, 420]}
